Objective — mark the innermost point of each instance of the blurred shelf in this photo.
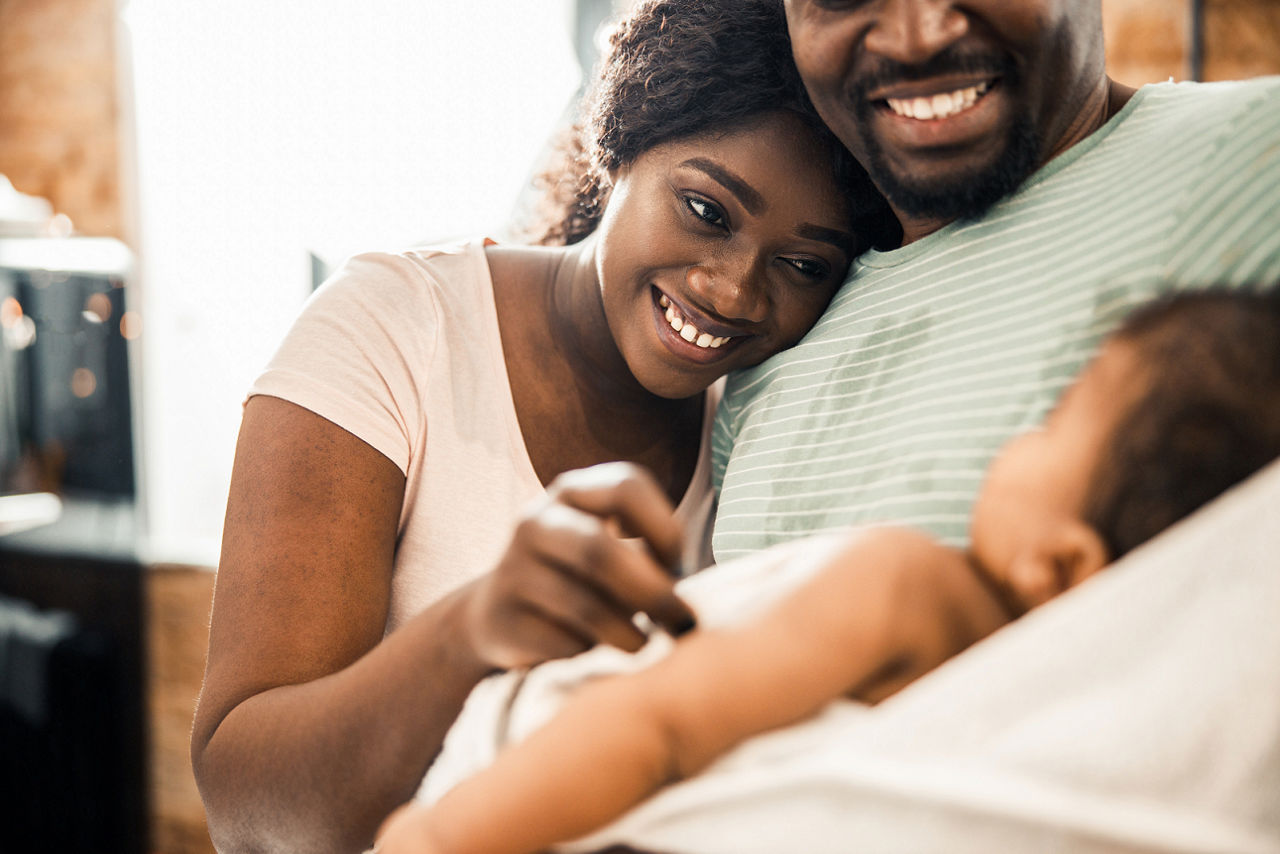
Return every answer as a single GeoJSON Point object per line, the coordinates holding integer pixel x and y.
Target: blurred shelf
{"type": "Point", "coordinates": [24, 511]}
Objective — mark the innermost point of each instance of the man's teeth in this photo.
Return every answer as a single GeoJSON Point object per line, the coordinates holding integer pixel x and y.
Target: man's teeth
{"type": "Point", "coordinates": [940, 106]}
{"type": "Point", "coordinates": [687, 330]}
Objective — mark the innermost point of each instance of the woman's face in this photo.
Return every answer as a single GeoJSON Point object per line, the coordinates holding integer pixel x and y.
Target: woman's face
{"type": "Point", "coordinates": [717, 251]}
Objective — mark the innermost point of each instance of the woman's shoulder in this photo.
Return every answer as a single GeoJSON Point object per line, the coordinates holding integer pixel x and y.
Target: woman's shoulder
{"type": "Point", "coordinates": [448, 271]}
{"type": "Point", "coordinates": [416, 294]}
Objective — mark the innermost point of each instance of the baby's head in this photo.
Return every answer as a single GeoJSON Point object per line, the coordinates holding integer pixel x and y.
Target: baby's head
{"type": "Point", "coordinates": [1181, 403]}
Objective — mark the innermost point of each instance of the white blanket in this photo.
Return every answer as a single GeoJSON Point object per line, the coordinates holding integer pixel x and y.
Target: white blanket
{"type": "Point", "coordinates": [1138, 712]}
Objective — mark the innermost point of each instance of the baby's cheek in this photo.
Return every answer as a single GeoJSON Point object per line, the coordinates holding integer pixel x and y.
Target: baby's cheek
{"type": "Point", "coordinates": [1033, 581]}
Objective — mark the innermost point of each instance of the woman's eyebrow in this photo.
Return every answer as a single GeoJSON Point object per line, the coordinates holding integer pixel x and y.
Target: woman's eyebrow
{"type": "Point", "coordinates": [751, 200]}
{"type": "Point", "coordinates": [842, 240]}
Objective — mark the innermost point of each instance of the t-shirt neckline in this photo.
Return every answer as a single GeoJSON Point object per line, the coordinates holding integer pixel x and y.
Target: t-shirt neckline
{"type": "Point", "coordinates": [893, 257]}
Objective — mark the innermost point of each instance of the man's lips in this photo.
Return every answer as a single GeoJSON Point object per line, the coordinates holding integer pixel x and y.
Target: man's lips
{"type": "Point", "coordinates": [928, 86]}
{"type": "Point", "coordinates": [938, 114]}
{"type": "Point", "coordinates": [937, 105]}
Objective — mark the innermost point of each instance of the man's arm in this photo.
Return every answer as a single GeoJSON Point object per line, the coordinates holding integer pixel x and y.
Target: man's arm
{"type": "Point", "coordinates": [886, 607]}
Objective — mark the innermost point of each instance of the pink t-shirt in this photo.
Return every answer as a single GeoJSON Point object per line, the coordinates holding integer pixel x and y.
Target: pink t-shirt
{"type": "Point", "coordinates": [403, 351]}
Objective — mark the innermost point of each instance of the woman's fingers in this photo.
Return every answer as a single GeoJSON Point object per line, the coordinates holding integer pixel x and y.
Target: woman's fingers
{"type": "Point", "coordinates": [568, 579]}
{"type": "Point", "coordinates": [582, 610]}
{"type": "Point", "coordinates": [629, 495]}
{"type": "Point", "coordinates": [527, 637]}
{"type": "Point", "coordinates": [545, 613]}
{"type": "Point", "coordinates": [582, 546]}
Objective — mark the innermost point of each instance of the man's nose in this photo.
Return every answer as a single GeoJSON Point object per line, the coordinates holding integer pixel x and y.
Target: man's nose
{"type": "Point", "coordinates": [734, 290]}
{"type": "Point", "coordinates": [913, 31]}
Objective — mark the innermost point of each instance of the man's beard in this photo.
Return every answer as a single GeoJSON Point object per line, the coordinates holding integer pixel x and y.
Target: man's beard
{"type": "Point", "coordinates": [968, 195]}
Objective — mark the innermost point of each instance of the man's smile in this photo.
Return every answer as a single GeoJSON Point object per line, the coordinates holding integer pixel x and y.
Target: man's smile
{"type": "Point", "coordinates": [940, 105]}
{"type": "Point", "coordinates": [934, 108]}
{"type": "Point", "coordinates": [929, 120]}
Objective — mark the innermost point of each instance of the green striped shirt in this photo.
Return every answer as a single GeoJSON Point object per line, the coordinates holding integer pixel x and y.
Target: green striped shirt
{"type": "Point", "coordinates": [932, 355]}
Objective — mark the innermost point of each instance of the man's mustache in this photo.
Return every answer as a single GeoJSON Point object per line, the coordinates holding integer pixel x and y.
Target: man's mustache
{"type": "Point", "coordinates": [888, 72]}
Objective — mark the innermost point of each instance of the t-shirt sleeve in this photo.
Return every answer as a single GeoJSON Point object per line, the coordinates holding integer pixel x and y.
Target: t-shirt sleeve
{"type": "Point", "coordinates": [1228, 230]}
{"type": "Point", "coordinates": [358, 352]}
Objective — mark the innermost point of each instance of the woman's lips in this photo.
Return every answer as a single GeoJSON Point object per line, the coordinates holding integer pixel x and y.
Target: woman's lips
{"type": "Point", "coordinates": [686, 329]}
{"type": "Point", "coordinates": [691, 335]}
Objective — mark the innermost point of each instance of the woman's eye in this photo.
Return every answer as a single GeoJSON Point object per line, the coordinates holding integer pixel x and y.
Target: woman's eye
{"type": "Point", "coordinates": [807, 268]}
{"type": "Point", "coordinates": [705, 211]}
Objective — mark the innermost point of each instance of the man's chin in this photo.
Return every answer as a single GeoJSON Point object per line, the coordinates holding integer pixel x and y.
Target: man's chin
{"type": "Point", "coordinates": [958, 199]}
{"type": "Point", "coordinates": [967, 194]}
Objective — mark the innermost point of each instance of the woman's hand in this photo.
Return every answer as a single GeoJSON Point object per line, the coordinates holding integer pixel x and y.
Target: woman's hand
{"type": "Point", "coordinates": [569, 580]}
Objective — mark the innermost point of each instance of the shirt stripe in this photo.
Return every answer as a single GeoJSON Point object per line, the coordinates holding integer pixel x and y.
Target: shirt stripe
{"type": "Point", "coordinates": [932, 355]}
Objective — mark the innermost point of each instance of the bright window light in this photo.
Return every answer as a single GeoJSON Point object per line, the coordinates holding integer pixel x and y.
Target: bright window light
{"type": "Point", "coordinates": [270, 130]}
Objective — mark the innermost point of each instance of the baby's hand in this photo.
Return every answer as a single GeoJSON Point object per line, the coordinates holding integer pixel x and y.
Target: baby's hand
{"type": "Point", "coordinates": [407, 831]}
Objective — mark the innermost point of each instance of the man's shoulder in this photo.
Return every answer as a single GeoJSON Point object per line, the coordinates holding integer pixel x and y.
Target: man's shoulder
{"type": "Point", "coordinates": [1223, 91]}
{"type": "Point", "coordinates": [1168, 146]}
{"type": "Point", "coordinates": [1203, 106]}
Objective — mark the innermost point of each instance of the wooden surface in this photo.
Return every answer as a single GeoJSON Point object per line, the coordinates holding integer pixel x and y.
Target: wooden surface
{"type": "Point", "coordinates": [177, 601]}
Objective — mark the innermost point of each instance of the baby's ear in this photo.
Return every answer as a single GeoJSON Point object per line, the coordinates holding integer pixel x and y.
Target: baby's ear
{"type": "Point", "coordinates": [1058, 561]}
{"type": "Point", "coordinates": [1079, 552]}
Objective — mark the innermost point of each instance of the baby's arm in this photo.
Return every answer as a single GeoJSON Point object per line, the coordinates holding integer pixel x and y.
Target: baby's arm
{"type": "Point", "coordinates": [886, 606]}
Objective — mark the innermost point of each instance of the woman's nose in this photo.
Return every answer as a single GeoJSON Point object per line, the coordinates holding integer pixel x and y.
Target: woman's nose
{"type": "Point", "coordinates": [733, 291]}
{"type": "Point", "coordinates": [914, 31]}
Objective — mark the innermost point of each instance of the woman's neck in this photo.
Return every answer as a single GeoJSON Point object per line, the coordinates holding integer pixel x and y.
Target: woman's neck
{"type": "Point", "coordinates": [578, 325]}
{"type": "Point", "coordinates": [576, 399]}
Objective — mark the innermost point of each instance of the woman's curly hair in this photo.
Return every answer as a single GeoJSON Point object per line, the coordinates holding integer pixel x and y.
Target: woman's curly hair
{"type": "Point", "coordinates": [681, 67]}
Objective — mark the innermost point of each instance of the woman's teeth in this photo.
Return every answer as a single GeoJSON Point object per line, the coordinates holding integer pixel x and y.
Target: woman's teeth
{"type": "Point", "coordinates": [940, 106]}
{"type": "Point", "coordinates": [687, 330]}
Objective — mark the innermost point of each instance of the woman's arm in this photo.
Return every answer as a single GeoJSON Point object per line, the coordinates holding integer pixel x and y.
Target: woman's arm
{"type": "Point", "coordinates": [311, 727]}
{"type": "Point", "coordinates": [887, 606]}
{"type": "Point", "coordinates": [308, 728]}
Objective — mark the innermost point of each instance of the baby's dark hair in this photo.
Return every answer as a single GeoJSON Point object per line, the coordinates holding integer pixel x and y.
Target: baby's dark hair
{"type": "Point", "coordinates": [682, 67]}
{"type": "Point", "coordinates": [1208, 417]}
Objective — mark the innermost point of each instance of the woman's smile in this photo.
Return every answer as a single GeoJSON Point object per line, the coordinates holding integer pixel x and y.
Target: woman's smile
{"type": "Point", "coordinates": [731, 243]}
{"type": "Point", "coordinates": [690, 334]}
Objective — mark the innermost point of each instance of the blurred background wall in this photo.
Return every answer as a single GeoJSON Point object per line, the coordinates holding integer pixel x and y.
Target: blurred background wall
{"type": "Point", "coordinates": [227, 143]}
{"type": "Point", "coordinates": [60, 118]}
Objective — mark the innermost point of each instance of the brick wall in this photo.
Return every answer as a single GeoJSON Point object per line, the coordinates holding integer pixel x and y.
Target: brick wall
{"type": "Point", "coordinates": [1241, 38]}
{"type": "Point", "coordinates": [59, 136]}
{"type": "Point", "coordinates": [1148, 40]}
